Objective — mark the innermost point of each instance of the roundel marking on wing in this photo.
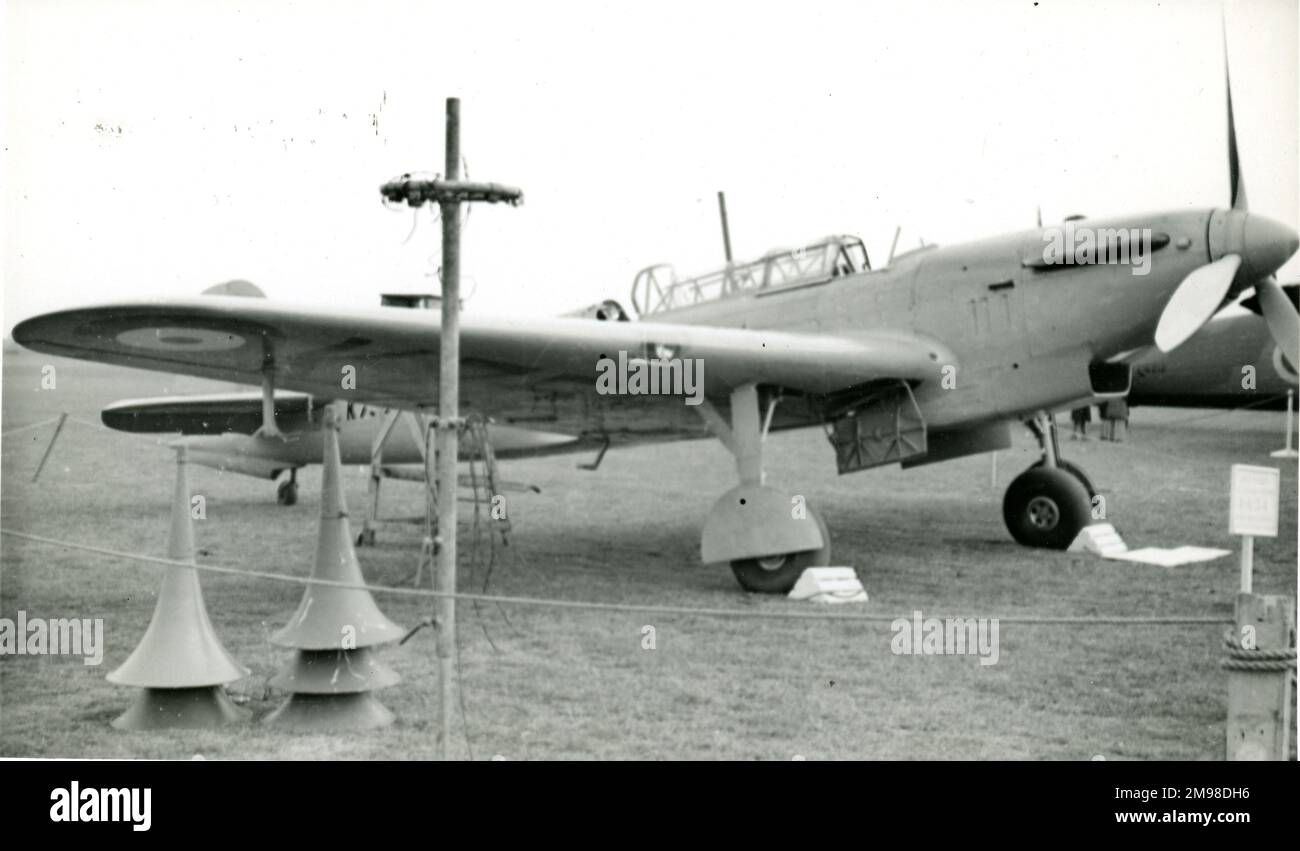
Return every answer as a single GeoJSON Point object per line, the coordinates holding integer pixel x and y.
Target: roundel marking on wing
{"type": "Point", "coordinates": [180, 339]}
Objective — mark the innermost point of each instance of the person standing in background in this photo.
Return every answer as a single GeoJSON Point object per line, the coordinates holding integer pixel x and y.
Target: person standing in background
{"type": "Point", "coordinates": [1080, 417]}
{"type": "Point", "coordinates": [1116, 414]}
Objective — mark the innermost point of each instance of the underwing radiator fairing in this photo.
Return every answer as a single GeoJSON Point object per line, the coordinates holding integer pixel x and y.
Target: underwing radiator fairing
{"type": "Point", "coordinates": [887, 428]}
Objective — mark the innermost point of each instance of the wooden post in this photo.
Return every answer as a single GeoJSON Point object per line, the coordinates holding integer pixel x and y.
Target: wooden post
{"type": "Point", "coordinates": [1247, 563]}
{"type": "Point", "coordinates": [1260, 666]}
{"type": "Point", "coordinates": [63, 418]}
{"type": "Point", "coordinates": [448, 429]}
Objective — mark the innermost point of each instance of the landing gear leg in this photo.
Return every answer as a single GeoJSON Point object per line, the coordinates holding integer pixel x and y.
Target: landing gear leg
{"type": "Point", "coordinates": [1043, 426]}
{"type": "Point", "coordinates": [268, 428]}
{"type": "Point", "coordinates": [287, 492]}
{"type": "Point", "coordinates": [768, 536]}
{"type": "Point", "coordinates": [366, 537]}
{"type": "Point", "coordinates": [1047, 505]}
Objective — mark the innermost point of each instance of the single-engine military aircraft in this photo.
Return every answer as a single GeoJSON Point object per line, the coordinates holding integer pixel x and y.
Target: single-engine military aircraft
{"type": "Point", "coordinates": [930, 358]}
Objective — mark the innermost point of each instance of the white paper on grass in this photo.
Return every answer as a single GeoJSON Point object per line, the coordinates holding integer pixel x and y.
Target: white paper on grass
{"type": "Point", "coordinates": [1102, 539]}
{"type": "Point", "coordinates": [1175, 557]}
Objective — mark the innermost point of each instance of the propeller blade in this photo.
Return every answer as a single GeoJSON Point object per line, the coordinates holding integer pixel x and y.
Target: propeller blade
{"type": "Point", "coordinates": [1195, 301]}
{"type": "Point", "coordinates": [1236, 181]}
{"type": "Point", "coordinates": [1281, 316]}
{"type": "Point", "coordinates": [1292, 290]}
{"type": "Point", "coordinates": [1235, 178]}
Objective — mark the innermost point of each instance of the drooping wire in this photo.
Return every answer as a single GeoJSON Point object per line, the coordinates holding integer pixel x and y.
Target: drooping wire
{"type": "Point", "coordinates": [469, 208]}
{"type": "Point", "coordinates": [489, 457]}
{"type": "Point", "coordinates": [476, 531]}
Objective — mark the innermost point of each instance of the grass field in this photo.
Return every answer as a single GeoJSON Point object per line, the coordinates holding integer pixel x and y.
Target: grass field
{"type": "Point", "coordinates": [577, 684]}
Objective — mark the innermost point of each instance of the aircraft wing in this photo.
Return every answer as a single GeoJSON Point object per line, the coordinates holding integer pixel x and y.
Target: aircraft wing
{"type": "Point", "coordinates": [524, 371]}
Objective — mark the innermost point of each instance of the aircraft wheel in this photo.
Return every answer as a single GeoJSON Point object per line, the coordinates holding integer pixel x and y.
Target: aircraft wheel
{"type": "Point", "coordinates": [1046, 507]}
{"type": "Point", "coordinates": [777, 574]}
{"type": "Point", "coordinates": [287, 493]}
{"type": "Point", "coordinates": [1076, 471]}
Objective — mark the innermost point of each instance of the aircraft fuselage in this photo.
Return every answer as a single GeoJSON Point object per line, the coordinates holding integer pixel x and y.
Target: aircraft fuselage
{"type": "Point", "coordinates": [1027, 335]}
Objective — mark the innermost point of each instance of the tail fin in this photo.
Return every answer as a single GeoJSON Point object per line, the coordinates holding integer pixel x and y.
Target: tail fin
{"type": "Point", "coordinates": [236, 287]}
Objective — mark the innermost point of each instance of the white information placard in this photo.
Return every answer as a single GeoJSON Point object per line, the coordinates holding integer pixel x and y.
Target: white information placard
{"type": "Point", "coordinates": [1254, 501]}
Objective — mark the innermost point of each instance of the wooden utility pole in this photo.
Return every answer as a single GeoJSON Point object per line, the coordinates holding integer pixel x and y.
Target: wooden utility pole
{"type": "Point", "coordinates": [448, 443]}
{"type": "Point", "coordinates": [449, 193]}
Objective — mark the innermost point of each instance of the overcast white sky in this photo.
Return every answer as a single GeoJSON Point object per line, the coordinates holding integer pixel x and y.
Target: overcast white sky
{"type": "Point", "coordinates": [161, 147]}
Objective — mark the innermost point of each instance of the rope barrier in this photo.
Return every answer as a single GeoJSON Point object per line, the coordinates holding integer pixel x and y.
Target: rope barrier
{"type": "Point", "coordinates": [1264, 661]}
{"type": "Point", "coordinates": [99, 427]}
{"type": "Point", "coordinates": [1223, 413]}
{"type": "Point", "coordinates": [17, 429]}
{"type": "Point", "coordinates": [159, 440]}
{"type": "Point", "coordinates": [647, 608]}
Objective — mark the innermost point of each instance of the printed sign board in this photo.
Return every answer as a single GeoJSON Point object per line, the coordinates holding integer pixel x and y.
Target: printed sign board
{"type": "Point", "coordinates": [1254, 501]}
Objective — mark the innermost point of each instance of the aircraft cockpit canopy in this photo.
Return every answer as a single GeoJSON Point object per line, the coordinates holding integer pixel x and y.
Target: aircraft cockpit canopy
{"type": "Point", "coordinates": [658, 289]}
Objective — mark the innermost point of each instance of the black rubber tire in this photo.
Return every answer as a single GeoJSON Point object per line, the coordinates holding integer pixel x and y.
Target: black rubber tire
{"type": "Point", "coordinates": [287, 493]}
{"type": "Point", "coordinates": [1046, 507]}
{"type": "Point", "coordinates": [1076, 471]}
{"type": "Point", "coordinates": [782, 572]}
